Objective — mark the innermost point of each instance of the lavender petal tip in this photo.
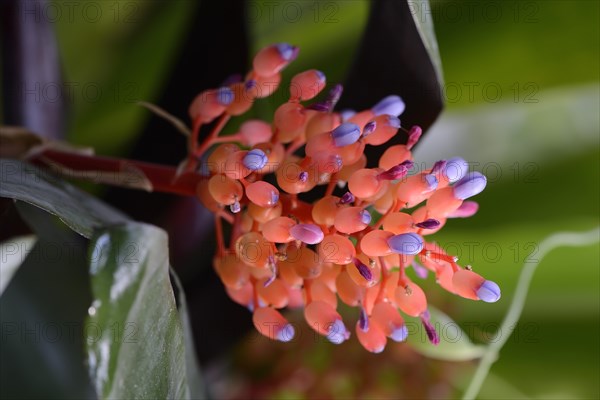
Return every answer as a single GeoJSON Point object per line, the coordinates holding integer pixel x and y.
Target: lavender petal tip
{"type": "Point", "coordinates": [337, 332]}
{"type": "Point", "coordinates": [455, 169]}
{"type": "Point", "coordinates": [286, 333]}
{"type": "Point", "coordinates": [307, 233]}
{"type": "Point", "coordinates": [406, 243]}
{"type": "Point", "coordinates": [225, 96]}
{"type": "Point", "coordinates": [470, 185]}
{"type": "Point", "coordinates": [345, 134]}
{"type": "Point", "coordinates": [489, 292]}
{"type": "Point", "coordinates": [255, 159]}
{"type": "Point", "coordinates": [399, 334]}
{"type": "Point", "coordinates": [391, 105]}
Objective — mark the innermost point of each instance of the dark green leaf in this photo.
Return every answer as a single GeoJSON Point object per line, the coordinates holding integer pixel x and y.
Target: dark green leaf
{"type": "Point", "coordinates": [80, 211]}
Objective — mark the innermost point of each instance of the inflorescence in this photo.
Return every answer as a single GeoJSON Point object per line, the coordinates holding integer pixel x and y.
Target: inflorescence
{"type": "Point", "coordinates": [286, 252]}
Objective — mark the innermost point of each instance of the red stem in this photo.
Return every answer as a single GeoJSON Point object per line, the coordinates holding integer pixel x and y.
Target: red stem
{"type": "Point", "coordinates": [163, 178]}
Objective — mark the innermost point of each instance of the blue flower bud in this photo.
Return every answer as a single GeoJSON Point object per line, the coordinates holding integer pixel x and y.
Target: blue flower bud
{"type": "Point", "coordinates": [225, 96]}
{"type": "Point", "coordinates": [489, 292]}
{"type": "Point", "coordinates": [345, 134]}
{"type": "Point", "coordinates": [471, 184]}
{"type": "Point", "coordinates": [255, 159]}
{"type": "Point", "coordinates": [399, 334]}
{"type": "Point", "coordinates": [455, 169]}
{"type": "Point", "coordinates": [406, 243]}
{"type": "Point", "coordinates": [391, 105]}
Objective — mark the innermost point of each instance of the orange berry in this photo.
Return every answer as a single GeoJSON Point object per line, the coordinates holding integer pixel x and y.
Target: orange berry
{"type": "Point", "coordinates": [225, 190]}
{"type": "Point", "coordinates": [442, 203]}
{"type": "Point", "coordinates": [232, 271]}
{"type": "Point", "coordinates": [324, 210]}
{"type": "Point", "coordinates": [336, 249]}
{"type": "Point", "coordinates": [210, 104]}
{"type": "Point", "coordinates": [347, 170]}
{"type": "Point", "coordinates": [255, 131]}
{"type": "Point", "coordinates": [253, 249]}
{"type": "Point", "coordinates": [306, 85]}
{"type": "Point", "coordinates": [384, 127]}
{"type": "Point", "coordinates": [365, 184]}
{"type": "Point", "coordinates": [398, 223]}
{"type": "Point", "coordinates": [262, 194]}
{"type": "Point", "coordinates": [389, 320]}
{"type": "Point", "coordinates": [242, 100]}
{"type": "Point", "coordinates": [392, 155]}
{"type": "Point", "coordinates": [350, 293]}
{"type": "Point", "coordinates": [323, 318]}
{"type": "Point", "coordinates": [321, 123]}
{"type": "Point", "coordinates": [351, 219]}
{"type": "Point", "coordinates": [374, 243]}
{"type": "Point", "coordinates": [243, 295]}
{"type": "Point", "coordinates": [272, 59]}
{"type": "Point", "coordinates": [370, 336]}
{"type": "Point", "coordinates": [274, 293]}
{"type": "Point", "coordinates": [270, 323]}
{"type": "Point", "coordinates": [411, 299]}
{"type": "Point", "coordinates": [216, 160]}
{"type": "Point", "coordinates": [264, 214]}
{"type": "Point", "coordinates": [277, 230]}
{"type": "Point", "coordinates": [305, 262]}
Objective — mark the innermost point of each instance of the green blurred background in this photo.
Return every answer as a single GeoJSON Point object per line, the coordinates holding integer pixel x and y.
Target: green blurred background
{"type": "Point", "coordinates": [522, 100]}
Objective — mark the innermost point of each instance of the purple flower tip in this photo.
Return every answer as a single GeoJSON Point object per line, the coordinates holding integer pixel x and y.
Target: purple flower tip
{"type": "Point", "coordinates": [287, 51]}
{"type": "Point", "coordinates": [365, 217]}
{"type": "Point", "coordinates": [225, 96]}
{"type": "Point", "coordinates": [369, 128]}
{"type": "Point", "coordinates": [406, 243]}
{"type": "Point", "coordinates": [432, 182]}
{"type": "Point", "coordinates": [347, 114]}
{"type": "Point", "coordinates": [489, 292]}
{"type": "Point", "coordinates": [466, 210]}
{"type": "Point", "coordinates": [438, 166]}
{"type": "Point", "coordinates": [303, 177]}
{"type": "Point", "coordinates": [414, 134]}
{"type": "Point", "coordinates": [249, 84]}
{"type": "Point", "coordinates": [255, 159]}
{"type": "Point", "coordinates": [363, 320]}
{"type": "Point", "coordinates": [391, 105]}
{"type": "Point", "coordinates": [428, 224]}
{"type": "Point", "coordinates": [394, 122]}
{"type": "Point", "coordinates": [338, 333]}
{"type": "Point", "coordinates": [345, 134]}
{"type": "Point", "coordinates": [399, 334]}
{"type": "Point", "coordinates": [397, 171]}
{"type": "Point", "coordinates": [347, 198]}
{"type": "Point", "coordinates": [420, 270]}
{"type": "Point", "coordinates": [274, 197]}
{"type": "Point", "coordinates": [364, 271]}
{"type": "Point", "coordinates": [455, 169]}
{"type": "Point", "coordinates": [286, 333]}
{"type": "Point", "coordinates": [235, 207]}
{"type": "Point", "coordinates": [334, 95]}
{"type": "Point", "coordinates": [321, 107]}
{"type": "Point", "coordinates": [307, 233]}
{"type": "Point", "coordinates": [471, 184]}
{"type": "Point", "coordinates": [321, 75]}
{"type": "Point", "coordinates": [430, 329]}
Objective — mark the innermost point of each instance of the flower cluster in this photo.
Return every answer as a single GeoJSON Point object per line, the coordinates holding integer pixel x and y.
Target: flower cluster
{"type": "Point", "coordinates": [286, 252]}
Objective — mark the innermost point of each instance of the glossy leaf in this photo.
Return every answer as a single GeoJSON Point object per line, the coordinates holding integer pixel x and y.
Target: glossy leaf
{"type": "Point", "coordinates": [140, 351]}
{"type": "Point", "coordinates": [80, 211]}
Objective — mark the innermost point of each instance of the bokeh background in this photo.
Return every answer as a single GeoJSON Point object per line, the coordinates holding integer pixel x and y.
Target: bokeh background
{"type": "Point", "coordinates": [522, 99]}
